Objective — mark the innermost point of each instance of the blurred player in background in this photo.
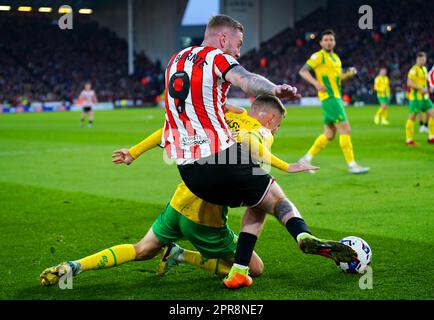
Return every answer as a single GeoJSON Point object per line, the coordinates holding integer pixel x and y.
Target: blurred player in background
{"type": "Point", "coordinates": [88, 98]}
{"type": "Point", "coordinates": [382, 87]}
{"type": "Point", "coordinates": [419, 99]}
{"type": "Point", "coordinates": [327, 67]}
{"type": "Point", "coordinates": [423, 125]}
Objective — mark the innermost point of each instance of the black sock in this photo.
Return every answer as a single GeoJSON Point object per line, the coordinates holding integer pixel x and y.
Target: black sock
{"type": "Point", "coordinates": [426, 124]}
{"type": "Point", "coordinates": [90, 121]}
{"type": "Point", "coordinates": [421, 123]}
{"type": "Point", "coordinates": [246, 244]}
{"type": "Point", "coordinates": [295, 226]}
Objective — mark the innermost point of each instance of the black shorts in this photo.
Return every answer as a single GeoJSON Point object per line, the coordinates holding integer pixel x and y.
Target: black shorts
{"type": "Point", "coordinates": [235, 184]}
{"type": "Point", "coordinates": [87, 109]}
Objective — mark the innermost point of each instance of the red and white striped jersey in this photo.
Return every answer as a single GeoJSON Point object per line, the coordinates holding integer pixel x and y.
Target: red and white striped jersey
{"type": "Point", "coordinates": [431, 77]}
{"type": "Point", "coordinates": [195, 96]}
{"type": "Point", "coordinates": [88, 97]}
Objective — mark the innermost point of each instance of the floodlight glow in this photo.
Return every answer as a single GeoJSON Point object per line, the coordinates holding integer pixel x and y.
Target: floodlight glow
{"type": "Point", "coordinates": [85, 11]}
{"type": "Point", "coordinates": [64, 10]}
{"type": "Point", "coordinates": [24, 9]}
{"type": "Point", "coordinates": [45, 9]}
{"type": "Point", "coordinates": [5, 8]}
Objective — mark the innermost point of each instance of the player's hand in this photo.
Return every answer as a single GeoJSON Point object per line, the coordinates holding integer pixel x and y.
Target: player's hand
{"type": "Point", "coordinates": [285, 91]}
{"type": "Point", "coordinates": [425, 90]}
{"type": "Point", "coordinates": [352, 71]}
{"type": "Point", "coordinates": [320, 87]}
{"type": "Point", "coordinates": [122, 156]}
{"type": "Point", "coordinates": [298, 167]}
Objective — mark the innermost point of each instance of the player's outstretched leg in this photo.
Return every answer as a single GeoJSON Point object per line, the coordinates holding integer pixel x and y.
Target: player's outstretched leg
{"type": "Point", "coordinates": [285, 211]}
{"type": "Point", "coordinates": [52, 275]}
{"type": "Point", "coordinates": [107, 258]}
{"type": "Point", "coordinates": [147, 248]}
{"type": "Point", "coordinates": [326, 248]}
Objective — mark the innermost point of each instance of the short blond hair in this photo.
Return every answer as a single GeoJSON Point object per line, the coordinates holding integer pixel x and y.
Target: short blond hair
{"type": "Point", "coordinates": [267, 101]}
{"type": "Point", "coordinates": [222, 20]}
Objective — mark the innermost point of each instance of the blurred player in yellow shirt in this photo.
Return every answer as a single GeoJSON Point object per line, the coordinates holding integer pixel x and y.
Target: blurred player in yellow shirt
{"type": "Point", "coordinates": [419, 99]}
{"type": "Point", "coordinates": [382, 87]}
{"type": "Point", "coordinates": [327, 67]}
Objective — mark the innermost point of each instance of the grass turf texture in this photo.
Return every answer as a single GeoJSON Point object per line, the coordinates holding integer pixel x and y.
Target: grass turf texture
{"type": "Point", "coordinates": [61, 198]}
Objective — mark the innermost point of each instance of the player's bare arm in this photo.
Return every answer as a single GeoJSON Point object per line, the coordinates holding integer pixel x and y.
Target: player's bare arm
{"type": "Point", "coordinates": [306, 75]}
{"type": "Point", "coordinates": [127, 156]}
{"type": "Point", "coordinates": [351, 72]}
{"type": "Point", "coordinates": [254, 84]}
{"type": "Point", "coordinates": [260, 153]}
{"type": "Point", "coordinates": [411, 84]}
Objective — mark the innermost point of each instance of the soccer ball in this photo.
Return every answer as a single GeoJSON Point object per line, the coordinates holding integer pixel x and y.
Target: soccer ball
{"type": "Point", "coordinates": [364, 255]}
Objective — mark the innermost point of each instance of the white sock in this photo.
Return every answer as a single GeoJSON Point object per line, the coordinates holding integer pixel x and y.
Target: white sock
{"type": "Point", "coordinates": [352, 164]}
{"type": "Point", "coordinates": [240, 266]}
{"type": "Point", "coordinates": [298, 237]}
{"type": "Point", "coordinates": [308, 157]}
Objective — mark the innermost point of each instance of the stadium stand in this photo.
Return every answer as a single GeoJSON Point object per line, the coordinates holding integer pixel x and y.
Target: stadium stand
{"type": "Point", "coordinates": [41, 62]}
{"type": "Point", "coordinates": [38, 61]}
{"type": "Point", "coordinates": [368, 50]}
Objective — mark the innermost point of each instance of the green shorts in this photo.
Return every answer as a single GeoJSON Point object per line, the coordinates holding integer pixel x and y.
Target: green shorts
{"type": "Point", "coordinates": [212, 243]}
{"type": "Point", "coordinates": [422, 105]}
{"type": "Point", "coordinates": [384, 100]}
{"type": "Point", "coordinates": [333, 111]}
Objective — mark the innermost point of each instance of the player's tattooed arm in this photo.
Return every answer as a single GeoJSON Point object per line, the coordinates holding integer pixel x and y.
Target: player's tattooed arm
{"type": "Point", "coordinates": [251, 83]}
{"type": "Point", "coordinates": [254, 84]}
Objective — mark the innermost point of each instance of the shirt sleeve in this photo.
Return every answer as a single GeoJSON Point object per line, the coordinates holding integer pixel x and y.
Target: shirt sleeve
{"type": "Point", "coordinates": [148, 143]}
{"type": "Point", "coordinates": [412, 74]}
{"type": "Point", "coordinates": [258, 151]}
{"type": "Point", "coordinates": [224, 63]}
{"type": "Point", "coordinates": [315, 60]}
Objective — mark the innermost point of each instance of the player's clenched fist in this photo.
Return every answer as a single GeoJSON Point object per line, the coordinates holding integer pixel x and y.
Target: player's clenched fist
{"type": "Point", "coordinates": [285, 91]}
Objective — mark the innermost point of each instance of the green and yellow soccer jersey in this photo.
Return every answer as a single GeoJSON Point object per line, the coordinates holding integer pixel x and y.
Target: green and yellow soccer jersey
{"type": "Point", "coordinates": [328, 72]}
{"type": "Point", "coordinates": [382, 86]}
{"type": "Point", "coordinates": [419, 75]}
{"type": "Point", "coordinates": [241, 124]}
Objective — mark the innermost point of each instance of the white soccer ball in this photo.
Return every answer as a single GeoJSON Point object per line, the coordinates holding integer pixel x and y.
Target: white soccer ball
{"type": "Point", "coordinates": [364, 255]}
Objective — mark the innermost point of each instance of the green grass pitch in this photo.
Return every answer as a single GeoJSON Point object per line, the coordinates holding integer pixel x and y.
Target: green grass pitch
{"type": "Point", "coordinates": [61, 198]}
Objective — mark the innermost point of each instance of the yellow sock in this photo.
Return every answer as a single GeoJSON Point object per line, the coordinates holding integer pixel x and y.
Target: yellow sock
{"type": "Point", "coordinates": [216, 266]}
{"type": "Point", "coordinates": [320, 143]}
{"type": "Point", "coordinates": [347, 147]}
{"type": "Point", "coordinates": [431, 127]}
{"type": "Point", "coordinates": [380, 112]}
{"type": "Point", "coordinates": [110, 257]}
{"type": "Point", "coordinates": [384, 114]}
{"type": "Point", "coordinates": [409, 130]}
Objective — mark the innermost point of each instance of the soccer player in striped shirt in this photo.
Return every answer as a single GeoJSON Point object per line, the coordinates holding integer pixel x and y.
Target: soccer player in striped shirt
{"type": "Point", "coordinates": [419, 99]}
{"type": "Point", "coordinates": [382, 87]}
{"type": "Point", "coordinates": [88, 97]}
{"type": "Point", "coordinates": [328, 71]}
